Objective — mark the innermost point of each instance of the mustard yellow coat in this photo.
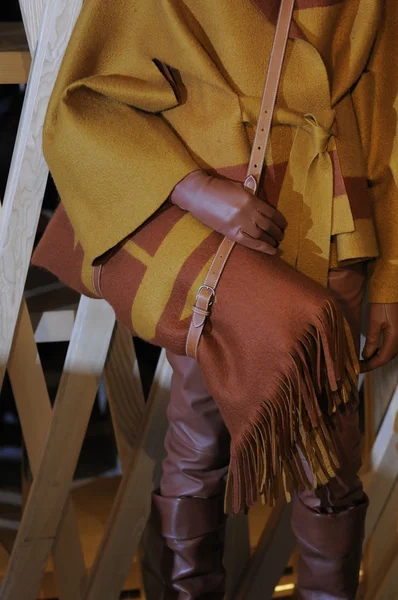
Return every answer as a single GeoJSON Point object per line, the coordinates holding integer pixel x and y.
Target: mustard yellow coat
{"type": "Point", "coordinates": [120, 134]}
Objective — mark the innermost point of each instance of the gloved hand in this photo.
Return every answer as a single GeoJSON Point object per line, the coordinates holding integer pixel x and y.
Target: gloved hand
{"type": "Point", "coordinates": [225, 206]}
{"type": "Point", "coordinates": [383, 319]}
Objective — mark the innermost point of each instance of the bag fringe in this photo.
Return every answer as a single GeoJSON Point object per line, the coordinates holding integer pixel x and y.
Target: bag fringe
{"type": "Point", "coordinates": [292, 424]}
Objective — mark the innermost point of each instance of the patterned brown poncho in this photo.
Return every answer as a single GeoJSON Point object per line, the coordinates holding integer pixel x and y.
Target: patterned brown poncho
{"type": "Point", "coordinates": [118, 137]}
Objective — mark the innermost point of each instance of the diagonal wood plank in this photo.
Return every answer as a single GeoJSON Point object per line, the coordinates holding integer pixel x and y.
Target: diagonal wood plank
{"type": "Point", "coordinates": [34, 409]}
{"type": "Point", "coordinates": [388, 586]}
{"type": "Point", "coordinates": [32, 14]}
{"type": "Point", "coordinates": [125, 395]}
{"type": "Point", "coordinates": [384, 465]}
{"type": "Point", "coordinates": [384, 585]}
{"type": "Point", "coordinates": [76, 394]}
{"type": "Point", "coordinates": [132, 504]}
{"type": "Point", "coordinates": [266, 566]}
{"type": "Point", "coordinates": [383, 545]}
{"type": "Point", "coordinates": [28, 172]}
{"type": "Point", "coordinates": [127, 405]}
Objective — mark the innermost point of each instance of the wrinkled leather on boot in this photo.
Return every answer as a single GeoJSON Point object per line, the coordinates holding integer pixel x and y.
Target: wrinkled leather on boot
{"type": "Point", "coordinates": [193, 535]}
{"type": "Point", "coordinates": [197, 440]}
{"type": "Point", "coordinates": [330, 551]}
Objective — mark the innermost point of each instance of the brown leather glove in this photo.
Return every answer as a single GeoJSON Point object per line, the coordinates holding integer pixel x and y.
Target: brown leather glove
{"type": "Point", "coordinates": [225, 206]}
{"type": "Point", "coordinates": [383, 319]}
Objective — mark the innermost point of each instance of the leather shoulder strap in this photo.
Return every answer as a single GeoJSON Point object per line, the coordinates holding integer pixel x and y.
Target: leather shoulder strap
{"type": "Point", "coordinates": [207, 292]}
{"type": "Point", "coordinates": [269, 96]}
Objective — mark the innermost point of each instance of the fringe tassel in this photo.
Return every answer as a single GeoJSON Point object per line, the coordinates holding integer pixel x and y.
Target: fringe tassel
{"type": "Point", "coordinates": [292, 424]}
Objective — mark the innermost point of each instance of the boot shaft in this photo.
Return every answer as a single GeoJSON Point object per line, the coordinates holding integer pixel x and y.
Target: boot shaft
{"type": "Point", "coordinates": [192, 532]}
{"type": "Point", "coordinates": [330, 551]}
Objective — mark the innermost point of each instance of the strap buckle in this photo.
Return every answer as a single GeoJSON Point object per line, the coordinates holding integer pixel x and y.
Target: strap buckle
{"type": "Point", "coordinates": [212, 294]}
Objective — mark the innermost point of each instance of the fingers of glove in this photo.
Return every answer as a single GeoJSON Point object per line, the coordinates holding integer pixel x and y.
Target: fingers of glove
{"type": "Point", "coordinates": [267, 225]}
{"type": "Point", "coordinates": [252, 230]}
{"type": "Point", "coordinates": [272, 213]}
{"type": "Point", "coordinates": [372, 339]}
{"type": "Point", "coordinates": [387, 352]}
{"type": "Point", "coordinates": [249, 228]}
{"type": "Point", "coordinates": [265, 244]}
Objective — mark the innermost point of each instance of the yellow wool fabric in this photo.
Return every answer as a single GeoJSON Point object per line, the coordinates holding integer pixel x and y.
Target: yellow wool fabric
{"type": "Point", "coordinates": [119, 135]}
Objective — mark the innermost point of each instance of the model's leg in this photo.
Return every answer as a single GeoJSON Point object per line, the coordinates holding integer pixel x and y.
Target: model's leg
{"type": "Point", "coordinates": [329, 521]}
{"type": "Point", "coordinates": [188, 511]}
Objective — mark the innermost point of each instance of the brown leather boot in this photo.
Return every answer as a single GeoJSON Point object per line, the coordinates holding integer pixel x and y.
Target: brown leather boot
{"type": "Point", "coordinates": [193, 538]}
{"type": "Point", "coordinates": [330, 550]}
{"type": "Point", "coordinates": [186, 530]}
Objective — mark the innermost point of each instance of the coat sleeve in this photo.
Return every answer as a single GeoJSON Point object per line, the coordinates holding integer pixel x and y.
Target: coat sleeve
{"type": "Point", "coordinates": [112, 154]}
{"type": "Point", "coordinates": [376, 104]}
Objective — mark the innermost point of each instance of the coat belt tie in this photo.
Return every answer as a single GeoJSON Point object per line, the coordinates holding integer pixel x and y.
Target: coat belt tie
{"type": "Point", "coordinates": [306, 196]}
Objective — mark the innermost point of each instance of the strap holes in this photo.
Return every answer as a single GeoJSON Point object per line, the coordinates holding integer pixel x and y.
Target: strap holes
{"type": "Point", "coordinates": [259, 147]}
{"type": "Point", "coordinates": [255, 166]}
{"type": "Point", "coordinates": [262, 129]}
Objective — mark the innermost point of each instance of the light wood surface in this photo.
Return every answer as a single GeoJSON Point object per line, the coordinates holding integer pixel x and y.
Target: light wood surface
{"type": "Point", "coordinates": [126, 399]}
{"type": "Point", "coordinates": [380, 481]}
{"type": "Point", "coordinates": [126, 526]}
{"type": "Point", "coordinates": [18, 220]}
{"type": "Point", "coordinates": [28, 172]}
{"type": "Point", "coordinates": [32, 13]}
{"type": "Point", "coordinates": [55, 326]}
{"type": "Point", "coordinates": [34, 409]}
{"type": "Point", "coordinates": [385, 382]}
{"type": "Point", "coordinates": [387, 588]}
{"type": "Point", "coordinates": [77, 390]}
{"type": "Point", "coordinates": [91, 517]}
{"type": "Point", "coordinates": [369, 434]}
{"type": "Point", "coordinates": [24, 367]}
{"type": "Point", "coordinates": [383, 545]}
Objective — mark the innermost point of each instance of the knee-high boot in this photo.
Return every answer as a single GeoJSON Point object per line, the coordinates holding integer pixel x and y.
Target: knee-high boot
{"type": "Point", "coordinates": [329, 521]}
{"type": "Point", "coordinates": [330, 550]}
{"type": "Point", "coordinates": [192, 530]}
{"type": "Point", "coordinates": [188, 510]}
